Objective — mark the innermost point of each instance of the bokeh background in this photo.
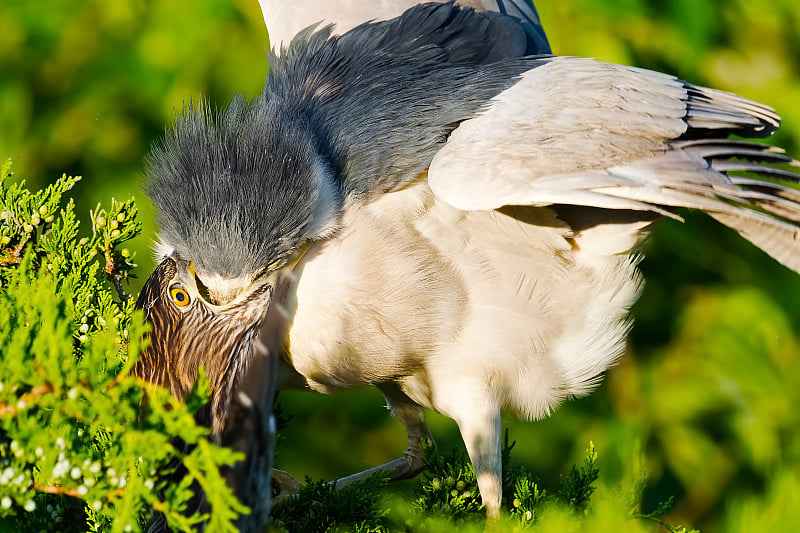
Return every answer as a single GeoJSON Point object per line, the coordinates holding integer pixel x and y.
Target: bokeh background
{"type": "Point", "coordinates": [706, 402]}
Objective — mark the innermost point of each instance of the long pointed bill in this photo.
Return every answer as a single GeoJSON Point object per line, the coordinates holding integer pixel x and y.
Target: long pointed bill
{"type": "Point", "coordinates": [250, 426]}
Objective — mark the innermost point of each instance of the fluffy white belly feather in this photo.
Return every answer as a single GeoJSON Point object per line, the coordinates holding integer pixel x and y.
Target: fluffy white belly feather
{"type": "Point", "coordinates": [503, 306]}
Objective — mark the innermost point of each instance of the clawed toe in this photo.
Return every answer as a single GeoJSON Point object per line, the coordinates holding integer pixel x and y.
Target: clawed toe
{"type": "Point", "coordinates": [284, 485]}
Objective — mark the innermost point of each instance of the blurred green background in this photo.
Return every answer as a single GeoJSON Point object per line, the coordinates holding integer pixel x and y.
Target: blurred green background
{"type": "Point", "coordinates": [707, 399]}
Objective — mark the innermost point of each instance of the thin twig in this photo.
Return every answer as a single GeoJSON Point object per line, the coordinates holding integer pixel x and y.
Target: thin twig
{"type": "Point", "coordinates": [65, 491]}
{"type": "Point", "coordinates": [668, 527]}
{"type": "Point", "coordinates": [12, 256]}
{"type": "Point", "coordinates": [114, 276]}
{"type": "Point", "coordinates": [35, 392]}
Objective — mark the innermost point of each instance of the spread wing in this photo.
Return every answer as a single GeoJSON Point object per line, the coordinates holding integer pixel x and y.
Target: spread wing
{"type": "Point", "coordinates": [580, 132]}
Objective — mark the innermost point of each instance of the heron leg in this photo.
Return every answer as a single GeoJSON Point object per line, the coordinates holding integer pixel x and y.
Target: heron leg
{"type": "Point", "coordinates": [481, 430]}
{"type": "Point", "coordinates": [412, 415]}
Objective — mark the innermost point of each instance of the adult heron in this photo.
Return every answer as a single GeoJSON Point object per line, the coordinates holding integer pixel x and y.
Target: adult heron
{"type": "Point", "coordinates": [449, 219]}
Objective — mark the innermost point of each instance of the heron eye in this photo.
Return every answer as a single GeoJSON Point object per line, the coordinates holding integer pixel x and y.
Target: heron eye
{"type": "Point", "coordinates": [179, 295]}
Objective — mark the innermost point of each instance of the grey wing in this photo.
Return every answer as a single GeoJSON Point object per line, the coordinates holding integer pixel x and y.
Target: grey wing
{"type": "Point", "coordinates": [382, 98]}
{"type": "Point", "coordinates": [581, 132]}
{"type": "Point", "coordinates": [285, 19]}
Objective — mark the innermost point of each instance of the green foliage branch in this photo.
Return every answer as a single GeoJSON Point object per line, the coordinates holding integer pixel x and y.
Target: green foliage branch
{"type": "Point", "coordinates": [446, 498]}
{"type": "Point", "coordinates": [83, 444]}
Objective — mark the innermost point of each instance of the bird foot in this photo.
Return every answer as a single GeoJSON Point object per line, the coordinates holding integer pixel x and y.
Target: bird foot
{"type": "Point", "coordinates": [284, 485]}
{"type": "Point", "coordinates": [405, 467]}
{"type": "Point", "coordinates": [412, 462]}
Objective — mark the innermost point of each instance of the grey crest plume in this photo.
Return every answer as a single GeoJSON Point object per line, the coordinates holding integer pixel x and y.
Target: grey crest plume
{"type": "Point", "coordinates": [234, 192]}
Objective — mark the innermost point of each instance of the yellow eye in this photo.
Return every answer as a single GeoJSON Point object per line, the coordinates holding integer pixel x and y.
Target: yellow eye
{"type": "Point", "coordinates": [179, 295]}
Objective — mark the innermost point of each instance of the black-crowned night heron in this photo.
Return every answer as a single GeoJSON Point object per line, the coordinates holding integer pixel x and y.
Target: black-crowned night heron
{"type": "Point", "coordinates": [451, 222]}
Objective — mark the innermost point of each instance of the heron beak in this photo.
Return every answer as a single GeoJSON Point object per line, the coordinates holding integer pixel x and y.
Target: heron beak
{"type": "Point", "coordinates": [266, 346]}
{"type": "Point", "coordinates": [251, 424]}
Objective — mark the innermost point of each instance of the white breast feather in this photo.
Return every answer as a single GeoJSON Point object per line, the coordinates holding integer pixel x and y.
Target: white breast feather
{"type": "Point", "coordinates": [446, 298]}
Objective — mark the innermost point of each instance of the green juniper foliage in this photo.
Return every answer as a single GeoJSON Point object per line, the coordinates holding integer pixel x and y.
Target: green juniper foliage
{"type": "Point", "coordinates": [446, 498]}
{"type": "Point", "coordinates": [77, 451]}
{"type": "Point", "coordinates": [577, 487]}
{"type": "Point", "coordinates": [321, 507]}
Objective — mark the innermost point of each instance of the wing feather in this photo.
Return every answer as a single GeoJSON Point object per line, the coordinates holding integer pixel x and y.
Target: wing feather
{"type": "Point", "coordinates": [581, 132]}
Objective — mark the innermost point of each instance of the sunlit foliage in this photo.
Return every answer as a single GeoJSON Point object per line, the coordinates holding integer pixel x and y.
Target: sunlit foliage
{"type": "Point", "coordinates": [78, 449]}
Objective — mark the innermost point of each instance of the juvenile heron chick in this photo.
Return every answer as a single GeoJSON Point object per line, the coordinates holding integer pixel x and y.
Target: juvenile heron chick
{"type": "Point", "coordinates": [455, 219]}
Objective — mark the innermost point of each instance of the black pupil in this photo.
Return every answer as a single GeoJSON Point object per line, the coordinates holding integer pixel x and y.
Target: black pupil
{"type": "Point", "coordinates": [179, 296]}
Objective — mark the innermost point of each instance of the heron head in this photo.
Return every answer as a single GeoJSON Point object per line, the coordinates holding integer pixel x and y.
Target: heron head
{"type": "Point", "coordinates": [241, 194]}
